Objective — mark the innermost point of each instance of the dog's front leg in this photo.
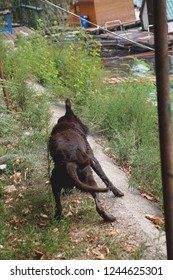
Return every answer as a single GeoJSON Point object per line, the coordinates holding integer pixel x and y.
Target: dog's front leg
{"type": "Point", "coordinates": [101, 211]}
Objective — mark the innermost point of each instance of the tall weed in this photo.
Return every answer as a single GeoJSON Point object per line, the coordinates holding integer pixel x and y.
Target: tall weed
{"type": "Point", "coordinates": [131, 125]}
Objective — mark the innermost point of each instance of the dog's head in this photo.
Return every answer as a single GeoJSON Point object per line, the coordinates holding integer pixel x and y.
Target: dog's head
{"type": "Point", "coordinates": [71, 117]}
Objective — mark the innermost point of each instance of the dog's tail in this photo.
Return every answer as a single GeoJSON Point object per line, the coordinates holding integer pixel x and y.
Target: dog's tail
{"type": "Point", "coordinates": [72, 171]}
{"type": "Point", "coordinates": [68, 106]}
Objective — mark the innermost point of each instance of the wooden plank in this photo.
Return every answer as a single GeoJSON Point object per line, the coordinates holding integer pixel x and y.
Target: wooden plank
{"type": "Point", "coordinates": [108, 10]}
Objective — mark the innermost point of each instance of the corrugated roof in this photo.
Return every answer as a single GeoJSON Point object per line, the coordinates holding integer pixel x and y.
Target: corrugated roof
{"type": "Point", "coordinates": [169, 9]}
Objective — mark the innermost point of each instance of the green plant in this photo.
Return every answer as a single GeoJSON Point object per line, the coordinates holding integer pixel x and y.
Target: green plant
{"type": "Point", "coordinates": [131, 124]}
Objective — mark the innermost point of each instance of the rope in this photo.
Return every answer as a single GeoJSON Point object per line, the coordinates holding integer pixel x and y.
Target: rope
{"type": "Point", "coordinates": [100, 27]}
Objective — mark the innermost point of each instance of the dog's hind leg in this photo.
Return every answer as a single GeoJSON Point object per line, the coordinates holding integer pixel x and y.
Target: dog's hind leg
{"type": "Point", "coordinates": [86, 176]}
{"type": "Point", "coordinates": [98, 169]}
{"type": "Point", "coordinates": [56, 189]}
{"type": "Point", "coordinates": [100, 209]}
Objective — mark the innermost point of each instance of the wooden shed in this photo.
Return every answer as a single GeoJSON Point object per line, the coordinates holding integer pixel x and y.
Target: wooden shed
{"type": "Point", "coordinates": [102, 11]}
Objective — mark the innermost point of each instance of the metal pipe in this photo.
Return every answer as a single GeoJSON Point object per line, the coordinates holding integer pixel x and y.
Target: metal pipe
{"type": "Point", "coordinates": [164, 115]}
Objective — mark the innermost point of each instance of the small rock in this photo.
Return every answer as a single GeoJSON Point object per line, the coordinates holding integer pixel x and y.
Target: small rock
{"type": "Point", "coordinates": [10, 188]}
{"type": "Point", "coordinates": [3, 166]}
{"type": "Point", "coordinates": [107, 150]}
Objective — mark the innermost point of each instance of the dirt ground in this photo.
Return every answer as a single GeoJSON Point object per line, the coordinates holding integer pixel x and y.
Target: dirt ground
{"type": "Point", "coordinates": [130, 210]}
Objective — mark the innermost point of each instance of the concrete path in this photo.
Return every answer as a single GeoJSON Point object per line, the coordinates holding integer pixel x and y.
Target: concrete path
{"type": "Point", "coordinates": [130, 210]}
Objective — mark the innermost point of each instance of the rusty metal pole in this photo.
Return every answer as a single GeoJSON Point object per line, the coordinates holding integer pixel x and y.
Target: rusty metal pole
{"type": "Point", "coordinates": [164, 115]}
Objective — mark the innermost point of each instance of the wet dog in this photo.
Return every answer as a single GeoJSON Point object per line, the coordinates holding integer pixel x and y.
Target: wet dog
{"type": "Point", "coordinates": [74, 160]}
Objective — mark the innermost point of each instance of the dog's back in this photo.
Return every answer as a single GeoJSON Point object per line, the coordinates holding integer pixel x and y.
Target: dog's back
{"type": "Point", "coordinates": [68, 147]}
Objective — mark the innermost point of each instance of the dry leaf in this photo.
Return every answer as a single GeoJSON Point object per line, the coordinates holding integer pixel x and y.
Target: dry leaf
{"type": "Point", "coordinates": [18, 161]}
{"type": "Point", "coordinates": [43, 223]}
{"type": "Point", "coordinates": [8, 200]}
{"type": "Point", "coordinates": [44, 216]}
{"type": "Point", "coordinates": [98, 254]}
{"type": "Point", "coordinates": [106, 249]}
{"type": "Point", "coordinates": [75, 201]}
{"type": "Point", "coordinates": [10, 189]}
{"type": "Point", "coordinates": [156, 220]}
{"type": "Point", "coordinates": [26, 211]}
{"type": "Point", "coordinates": [38, 254]}
{"type": "Point", "coordinates": [23, 188]}
{"type": "Point", "coordinates": [10, 207]}
{"type": "Point", "coordinates": [93, 236]}
{"type": "Point", "coordinates": [69, 214]}
{"type": "Point", "coordinates": [44, 257]}
{"type": "Point", "coordinates": [130, 250]}
{"type": "Point", "coordinates": [113, 233]}
{"type": "Point", "coordinates": [55, 230]}
{"type": "Point", "coordinates": [16, 178]}
{"type": "Point", "coordinates": [148, 196]}
{"type": "Point", "coordinates": [17, 222]}
{"type": "Point", "coordinates": [58, 257]}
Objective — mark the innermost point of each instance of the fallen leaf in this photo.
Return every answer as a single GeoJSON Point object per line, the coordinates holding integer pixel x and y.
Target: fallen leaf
{"type": "Point", "coordinates": [156, 220]}
{"type": "Point", "coordinates": [43, 223]}
{"type": "Point", "coordinates": [92, 237]}
{"type": "Point", "coordinates": [9, 189]}
{"type": "Point", "coordinates": [44, 216]}
{"type": "Point", "coordinates": [8, 200]}
{"type": "Point", "coordinates": [26, 211]}
{"type": "Point", "coordinates": [113, 233]}
{"type": "Point", "coordinates": [98, 254]}
{"type": "Point", "coordinates": [23, 188]}
{"type": "Point", "coordinates": [10, 207]}
{"type": "Point", "coordinates": [148, 196]}
{"type": "Point", "coordinates": [58, 257]}
{"type": "Point", "coordinates": [130, 250]}
{"type": "Point", "coordinates": [17, 222]}
{"type": "Point", "coordinates": [38, 254]}
{"type": "Point", "coordinates": [16, 178]}
{"type": "Point", "coordinates": [106, 249]}
{"type": "Point", "coordinates": [55, 230]}
{"type": "Point", "coordinates": [75, 201]}
{"type": "Point", "coordinates": [9, 146]}
{"type": "Point", "coordinates": [18, 161]}
{"type": "Point", "coordinates": [20, 195]}
{"type": "Point", "coordinates": [44, 257]}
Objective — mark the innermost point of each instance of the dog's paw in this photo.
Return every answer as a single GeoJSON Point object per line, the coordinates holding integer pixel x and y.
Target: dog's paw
{"type": "Point", "coordinates": [109, 218]}
{"type": "Point", "coordinates": [117, 193]}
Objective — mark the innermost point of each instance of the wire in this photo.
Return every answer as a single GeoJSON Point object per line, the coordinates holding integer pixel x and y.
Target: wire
{"type": "Point", "coordinates": [100, 27]}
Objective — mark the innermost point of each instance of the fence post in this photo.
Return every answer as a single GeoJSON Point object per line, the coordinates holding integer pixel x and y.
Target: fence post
{"type": "Point", "coordinates": [164, 115]}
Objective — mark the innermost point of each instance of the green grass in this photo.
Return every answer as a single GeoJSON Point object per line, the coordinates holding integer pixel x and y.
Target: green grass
{"type": "Point", "coordinates": [131, 124]}
{"type": "Point", "coordinates": [28, 229]}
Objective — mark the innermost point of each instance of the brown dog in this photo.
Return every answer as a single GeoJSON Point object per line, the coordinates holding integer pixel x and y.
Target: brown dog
{"type": "Point", "coordinates": [73, 159]}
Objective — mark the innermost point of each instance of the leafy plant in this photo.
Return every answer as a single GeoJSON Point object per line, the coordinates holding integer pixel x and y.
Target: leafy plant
{"type": "Point", "coordinates": [131, 124]}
